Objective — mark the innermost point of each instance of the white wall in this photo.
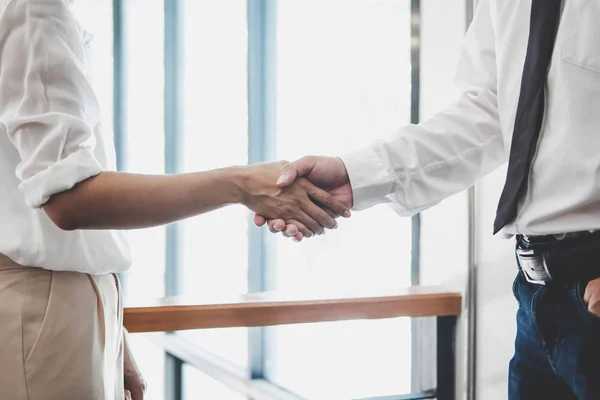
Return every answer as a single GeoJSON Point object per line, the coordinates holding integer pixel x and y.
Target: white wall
{"type": "Point", "coordinates": [444, 257]}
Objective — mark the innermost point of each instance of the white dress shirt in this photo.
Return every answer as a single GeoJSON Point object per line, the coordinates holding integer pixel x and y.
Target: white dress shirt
{"type": "Point", "coordinates": [51, 138]}
{"type": "Point", "coordinates": [423, 164]}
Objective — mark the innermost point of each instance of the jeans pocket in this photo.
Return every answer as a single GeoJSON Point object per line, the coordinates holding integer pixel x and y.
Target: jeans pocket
{"type": "Point", "coordinates": [515, 287]}
{"type": "Point", "coordinates": [578, 292]}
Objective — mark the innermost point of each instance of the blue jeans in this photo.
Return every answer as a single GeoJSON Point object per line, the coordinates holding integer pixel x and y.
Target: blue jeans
{"type": "Point", "coordinates": [557, 348]}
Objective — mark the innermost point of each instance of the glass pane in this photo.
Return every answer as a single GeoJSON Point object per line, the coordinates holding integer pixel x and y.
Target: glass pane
{"type": "Point", "coordinates": [151, 361]}
{"type": "Point", "coordinates": [338, 90]}
{"type": "Point", "coordinates": [197, 385]}
{"type": "Point", "coordinates": [145, 134]}
{"type": "Point", "coordinates": [344, 360]}
{"type": "Point", "coordinates": [215, 251]}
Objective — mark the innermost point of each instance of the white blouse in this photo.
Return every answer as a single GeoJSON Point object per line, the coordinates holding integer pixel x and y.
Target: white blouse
{"type": "Point", "coordinates": [51, 138]}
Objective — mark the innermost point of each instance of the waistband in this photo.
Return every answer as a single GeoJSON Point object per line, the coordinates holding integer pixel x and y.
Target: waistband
{"type": "Point", "coordinates": [7, 263]}
{"type": "Point", "coordinates": [560, 258]}
{"type": "Point", "coordinates": [558, 237]}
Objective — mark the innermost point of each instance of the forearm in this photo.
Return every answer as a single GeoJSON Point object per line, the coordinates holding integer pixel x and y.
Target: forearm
{"type": "Point", "coordinates": [114, 200]}
{"type": "Point", "coordinates": [423, 164]}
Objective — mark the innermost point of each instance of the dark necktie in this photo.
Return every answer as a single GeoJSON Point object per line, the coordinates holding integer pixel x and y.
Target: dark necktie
{"type": "Point", "coordinates": [545, 17]}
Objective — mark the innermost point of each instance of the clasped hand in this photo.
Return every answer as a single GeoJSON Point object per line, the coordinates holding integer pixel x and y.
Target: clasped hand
{"type": "Point", "coordinates": [326, 184]}
{"type": "Point", "coordinates": [591, 297]}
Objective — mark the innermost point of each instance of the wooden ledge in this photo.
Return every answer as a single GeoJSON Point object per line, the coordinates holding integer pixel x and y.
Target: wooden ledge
{"type": "Point", "coordinates": [272, 308]}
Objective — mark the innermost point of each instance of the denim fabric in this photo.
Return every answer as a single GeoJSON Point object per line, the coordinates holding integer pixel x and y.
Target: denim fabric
{"type": "Point", "coordinates": [557, 348]}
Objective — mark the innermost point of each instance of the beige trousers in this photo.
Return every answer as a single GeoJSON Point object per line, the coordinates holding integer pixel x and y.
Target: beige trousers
{"type": "Point", "coordinates": [60, 335]}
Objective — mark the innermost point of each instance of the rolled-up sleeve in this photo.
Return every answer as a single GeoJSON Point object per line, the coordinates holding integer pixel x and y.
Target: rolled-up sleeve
{"type": "Point", "coordinates": [47, 104]}
{"type": "Point", "coordinates": [423, 164]}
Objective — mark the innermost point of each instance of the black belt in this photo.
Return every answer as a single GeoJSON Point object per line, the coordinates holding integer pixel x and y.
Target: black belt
{"type": "Point", "coordinates": [562, 258]}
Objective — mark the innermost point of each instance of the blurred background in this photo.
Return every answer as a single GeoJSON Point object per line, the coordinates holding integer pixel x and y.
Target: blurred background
{"type": "Point", "coordinates": [190, 85]}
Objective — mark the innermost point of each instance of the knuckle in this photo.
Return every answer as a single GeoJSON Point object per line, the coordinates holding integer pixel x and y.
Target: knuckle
{"type": "Point", "coordinates": [303, 184]}
{"type": "Point", "coordinates": [288, 210]}
{"type": "Point", "coordinates": [328, 200]}
{"type": "Point", "coordinates": [323, 216]}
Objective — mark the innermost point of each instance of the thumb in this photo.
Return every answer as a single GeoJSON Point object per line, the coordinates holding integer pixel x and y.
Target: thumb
{"type": "Point", "coordinates": [295, 169]}
{"type": "Point", "coordinates": [127, 395]}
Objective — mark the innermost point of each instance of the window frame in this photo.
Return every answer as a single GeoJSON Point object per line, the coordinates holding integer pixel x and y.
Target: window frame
{"type": "Point", "coordinates": [262, 21]}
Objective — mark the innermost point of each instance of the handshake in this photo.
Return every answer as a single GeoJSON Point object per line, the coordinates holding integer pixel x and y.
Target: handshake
{"type": "Point", "coordinates": [304, 200]}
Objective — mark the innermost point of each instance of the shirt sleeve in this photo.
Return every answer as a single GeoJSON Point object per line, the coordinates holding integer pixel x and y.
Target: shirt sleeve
{"type": "Point", "coordinates": [423, 164]}
{"type": "Point", "coordinates": [47, 104]}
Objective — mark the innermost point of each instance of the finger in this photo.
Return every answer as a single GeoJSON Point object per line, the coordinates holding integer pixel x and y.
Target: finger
{"type": "Point", "coordinates": [276, 225]}
{"type": "Point", "coordinates": [259, 220]}
{"type": "Point", "coordinates": [331, 214]}
{"type": "Point", "coordinates": [303, 230]}
{"type": "Point", "coordinates": [292, 170]}
{"type": "Point", "coordinates": [324, 219]}
{"type": "Point", "coordinates": [326, 200]}
{"type": "Point", "coordinates": [127, 395]}
{"type": "Point", "coordinates": [590, 289]}
{"type": "Point", "coordinates": [586, 295]}
{"type": "Point", "coordinates": [298, 237]}
{"type": "Point", "coordinates": [306, 219]}
{"type": "Point", "coordinates": [290, 230]}
{"type": "Point", "coordinates": [137, 391]}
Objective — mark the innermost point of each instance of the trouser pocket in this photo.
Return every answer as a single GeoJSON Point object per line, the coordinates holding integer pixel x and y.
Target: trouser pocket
{"type": "Point", "coordinates": [578, 292]}
{"type": "Point", "coordinates": [35, 300]}
{"type": "Point", "coordinates": [515, 287]}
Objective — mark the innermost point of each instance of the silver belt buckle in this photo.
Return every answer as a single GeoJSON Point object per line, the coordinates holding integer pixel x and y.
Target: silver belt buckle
{"type": "Point", "coordinates": [534, 267]}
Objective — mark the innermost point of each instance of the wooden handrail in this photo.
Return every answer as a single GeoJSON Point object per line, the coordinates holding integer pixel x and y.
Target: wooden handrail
{"type": "Point", "coordinates": [272, 308]}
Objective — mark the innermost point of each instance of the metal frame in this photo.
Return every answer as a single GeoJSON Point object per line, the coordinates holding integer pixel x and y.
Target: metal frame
{"type": "Point", "coordinates": [173, 120]}
{"type": "Point", "coordinates": [262, 26]}
{"type": "Point", "coordinates": [232, 376]}
{"type": "Point", "coordinates": [120, 94]}
{"type": "Point", "coordinates": [119, 83]}
{"type": "Point", "coordinates": [445, 365]}
{"type": "Point", "coordinates": [422, 329]}
{"type": "Point", "coordinates": [471, 291]}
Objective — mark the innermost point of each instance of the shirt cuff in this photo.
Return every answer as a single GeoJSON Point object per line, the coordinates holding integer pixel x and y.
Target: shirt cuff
{"type": "Point", "coordinates": [60, 176]}
{"type": "Point", "coordinates": [369, 178]}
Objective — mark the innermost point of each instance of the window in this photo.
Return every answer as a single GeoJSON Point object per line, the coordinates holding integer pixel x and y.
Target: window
{"type": "Point", "coordinates": [201, 84]}
{"type": "Point", "coordinates": [215, 133]}
{"type": "Point", "coordinates": [342, 83]}
{"type": "Point", "coordinates": [201, 386]}
{"type": "Point", "coordinates": [144, 144]}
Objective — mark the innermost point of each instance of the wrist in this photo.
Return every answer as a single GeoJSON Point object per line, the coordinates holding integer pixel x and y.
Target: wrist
{"type": "Point", "coordinates": [235, 179]}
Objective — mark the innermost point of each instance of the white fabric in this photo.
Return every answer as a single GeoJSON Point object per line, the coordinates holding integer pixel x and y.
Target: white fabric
{"type": "Point", "coordinates": [421, 165]}
{"type": "Point", "coordinates": [51, 138]}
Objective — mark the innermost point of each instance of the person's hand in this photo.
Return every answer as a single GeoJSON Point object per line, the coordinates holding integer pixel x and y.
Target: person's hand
{"type": "Point", "coordinates": [328, 173]}
{"type": "Point", "coordinates": [299, 203]}
{"type": "Point", "coordinates": [591, 297]}
{"type": "Point", "coordinates": [135, 385]}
